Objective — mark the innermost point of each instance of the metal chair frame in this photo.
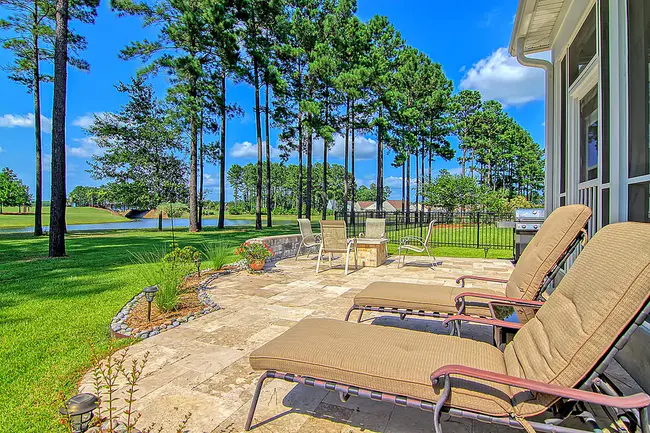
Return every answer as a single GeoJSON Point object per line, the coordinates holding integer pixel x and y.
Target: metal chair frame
{"type": "Point", "coordinates": [417, 245]}
{"type": "Point", "coordinates": [351, 245]}
{"type": "Point", "coordinates": [303, 223]}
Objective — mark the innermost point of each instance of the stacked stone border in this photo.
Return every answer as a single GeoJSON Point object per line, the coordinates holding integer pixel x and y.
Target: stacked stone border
{"type": "Point", "coordinates": [120, 329]}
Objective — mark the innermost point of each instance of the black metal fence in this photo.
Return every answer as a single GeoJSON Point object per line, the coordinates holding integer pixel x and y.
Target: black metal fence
{"type": "Point", "coordinates": [457, 229]}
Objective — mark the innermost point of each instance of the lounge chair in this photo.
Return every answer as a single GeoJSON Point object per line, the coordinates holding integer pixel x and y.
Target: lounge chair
{"type": "Point", "coordinates": [417, 245]}
{"type": "Point", "coordinates": [537, 268]}
{"type": "Point", "coordinates": [552, 368]}
{"type": "Point", "coordinates": [335, 240]}
{"type": "Point", "coordinates": [309, 239]}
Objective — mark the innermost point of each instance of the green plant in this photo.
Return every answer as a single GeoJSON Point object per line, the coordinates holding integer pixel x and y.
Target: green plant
{"type": "Point", "coordinates": [217, 253]}
{"type": "Point", "coordinates": [254, 251]}
{"type": "Point", "coordinates": [167, 270]}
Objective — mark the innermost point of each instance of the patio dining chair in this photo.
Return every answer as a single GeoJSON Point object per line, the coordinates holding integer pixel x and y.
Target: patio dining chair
{"type": "Point", "coordinates": [309, 239]}
{"type": "Point", "coordinates": [417, 245]}
{"type": "Point", "coordinates": [552, 371]}
{"type": "Point", "coordinates": [375, 230]}
{"type": "Point", "coordinates": [335, 240]}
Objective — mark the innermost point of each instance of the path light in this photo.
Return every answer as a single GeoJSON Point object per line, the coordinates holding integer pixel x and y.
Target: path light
{"type": "Point", "coordinates": [150, 293]}
{"type": "Point", "coordinates": [79, 409]}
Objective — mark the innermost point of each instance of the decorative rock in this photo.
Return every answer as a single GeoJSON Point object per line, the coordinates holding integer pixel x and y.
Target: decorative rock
{"type": "Point", "coordinates": [152, 333]}
{"type": "Point", "coordinates": [175, 323]}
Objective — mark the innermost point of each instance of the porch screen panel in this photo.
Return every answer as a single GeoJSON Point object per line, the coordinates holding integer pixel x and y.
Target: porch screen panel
{"type": "Point", "coordinates": [604, 95]}
{"type": "Point", "coordinates": [638, 202]}
{"type": "Point", "coordinates": [639, 62]}
{"type": "Point", "coordinates": [589, 124]}
{"type": "Point", "coordinates": [563, 127]}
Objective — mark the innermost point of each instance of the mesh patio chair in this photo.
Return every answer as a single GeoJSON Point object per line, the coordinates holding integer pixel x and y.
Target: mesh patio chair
{"type": "Point", "coordinates": [553, 370]}
{"type": "Point", "coordinates": [309, 239]}
{"type": "Point", "coordinates": [375, 229]}
{"type": "Point", "coordinates": [335, 240]}
{"type": "Point", "coordinates": [417, 245]}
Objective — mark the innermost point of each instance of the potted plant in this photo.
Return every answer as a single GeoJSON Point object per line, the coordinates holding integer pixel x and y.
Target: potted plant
{"type": "Point", "coordinates": [255, 253]}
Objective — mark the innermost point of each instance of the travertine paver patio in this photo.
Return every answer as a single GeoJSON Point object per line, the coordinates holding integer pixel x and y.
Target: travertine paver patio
{"type": "Point", "coordinates": [202, 367]}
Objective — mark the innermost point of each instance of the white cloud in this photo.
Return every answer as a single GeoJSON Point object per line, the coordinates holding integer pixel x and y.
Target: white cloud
{"type": "Point", "coordinates": [47, 162]}
{"type": "Point", "coordinates": [249, 150]}
{"type": "Point", "coordinates": [25, 121]}
{"type": "Point", "coordinates": [209, 180]}
{"type": "Point", "coordinates": [87, 148]}
{"type": "Point", "coordinates": [364, 148]}
{"type": "Point", "coordinates": [1, 149]}
{"type": "Point", "coordinates": [87, 120]}
{"type": "Point", "coordinates": [500, 76]}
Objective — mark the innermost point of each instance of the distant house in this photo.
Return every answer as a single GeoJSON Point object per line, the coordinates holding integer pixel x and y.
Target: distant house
{"type": "Point", "coordinates": [365, 205]}
{"type": "Point", "coordinates": [397, 205]}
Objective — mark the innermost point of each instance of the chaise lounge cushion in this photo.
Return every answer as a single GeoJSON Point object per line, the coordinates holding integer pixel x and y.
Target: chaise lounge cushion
{"type": "Point", "coordinates": [428, 297]}
{"type": "Point", "coordinates": [600, 295]}
{"type": "Point", "coordinates": [538, 259]}
{"type": "Point", "coordinates": [385, 359]}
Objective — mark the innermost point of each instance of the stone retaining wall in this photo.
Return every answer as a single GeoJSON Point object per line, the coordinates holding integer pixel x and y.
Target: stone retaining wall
{"type": "Point", "coordinates": [283, 246]}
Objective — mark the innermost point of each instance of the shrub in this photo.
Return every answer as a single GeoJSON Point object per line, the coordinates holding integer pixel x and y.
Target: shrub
{"type": "Point", "coordinates": [174, 210]}
{"type": "Point", "coordinates": [217, 253]}
{"type": "Point", "coordinates": [254, 251]}
{"type": "Point", "coordinates": [236, 210]}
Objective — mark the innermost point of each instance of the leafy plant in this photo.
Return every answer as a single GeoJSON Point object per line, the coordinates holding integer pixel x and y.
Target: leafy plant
{"type": "Point", "coordinates": [254, 251]}
{"type": "Point", "coordinates": [217, 253]}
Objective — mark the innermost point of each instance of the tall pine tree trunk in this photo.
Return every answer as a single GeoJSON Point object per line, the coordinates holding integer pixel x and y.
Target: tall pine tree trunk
{"type": "Point", "coordinates": [300, 151]}
{"type": "Point", "coordinates": [38, 209]}
{"type": "Point", "coordinates": [403, 185]}
{"type": "Point", "coordinates": [194, 136]}
{"type": "Point", "coordinates": [417, 185]}
{"type": "Point", "coordinates": [201, 174]}
{"type": "Point", "coordinates": [408, 186]}
{"type": "Point", "coordinates": [346, 156]}
{"type": "Point", "coordinates": [310, 151]}
{"type": "Point", "coordinates": [325, 146]}
{"type": "Point", "coordinates": [430, 165]}
{"type": "Point", "coordinates": [269, 223]}
{"type": "Point", "coordinates": [380, 165]}
{"type": "Point", "coordinates": [222, 157]}
{"type": "Point", "coordinates": [57, 207]}
{"type": "Point", "coordinates": [463, 161]}
{"type": "Point", "coordinates": [354, 178]}
{"type": "Point", "coordinates": [422, 160]}
{"type": "Point", "coordinates": [258, 130]}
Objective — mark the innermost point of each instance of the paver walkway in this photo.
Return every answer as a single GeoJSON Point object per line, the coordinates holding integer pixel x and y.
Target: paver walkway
{"type": "Point", "coordinates": [202, 367]}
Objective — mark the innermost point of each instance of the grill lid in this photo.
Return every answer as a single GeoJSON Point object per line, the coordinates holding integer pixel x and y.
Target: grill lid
{"type": "Point", "coordinates": [530, 215]}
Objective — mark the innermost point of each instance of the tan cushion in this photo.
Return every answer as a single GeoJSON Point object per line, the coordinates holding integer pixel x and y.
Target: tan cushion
{"type": "Point", "coordinates": [600, 295]}
{"type": "Point", "coordinates": [385, 359]}
{"type": "Point", "coordinates": [428, 297]}
{"type": "Point", "coordinates": [544, 251]}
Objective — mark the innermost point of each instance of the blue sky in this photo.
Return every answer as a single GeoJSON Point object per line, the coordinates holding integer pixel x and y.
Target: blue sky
{"type": "Point", "coordinates": [468, 37]}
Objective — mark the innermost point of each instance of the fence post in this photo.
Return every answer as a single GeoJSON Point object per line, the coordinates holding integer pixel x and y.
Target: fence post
{"type": "Point", "coordinates": [478, 229]}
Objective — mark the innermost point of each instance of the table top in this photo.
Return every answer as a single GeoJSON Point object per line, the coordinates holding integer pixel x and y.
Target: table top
{"type": "Point", "coordinates": [368, 241]}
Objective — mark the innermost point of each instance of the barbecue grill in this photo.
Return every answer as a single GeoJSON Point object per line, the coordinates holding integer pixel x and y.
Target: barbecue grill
{"type": "Point", "coordinates": [527, 224]}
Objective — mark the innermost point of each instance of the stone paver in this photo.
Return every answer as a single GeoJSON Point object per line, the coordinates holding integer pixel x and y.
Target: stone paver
{"type": "Point", "coordinates": [202, 367]}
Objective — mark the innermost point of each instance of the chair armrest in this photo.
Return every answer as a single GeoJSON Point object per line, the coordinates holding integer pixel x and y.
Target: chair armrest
{"type": "Point", "coordinates": [491, 300]}
{"type": "Point", "coordinates": [481, 320]}
{"type": "Point", "coordinates": [461, 280]}
{"type": "Point", "coordinates": [636, 401]}
{"type": "Point", "coordinates": [406, 239]}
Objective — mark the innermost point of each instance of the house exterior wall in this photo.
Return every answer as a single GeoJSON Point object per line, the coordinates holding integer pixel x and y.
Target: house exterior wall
{"type": "Point", "coordinates": [617, 113]}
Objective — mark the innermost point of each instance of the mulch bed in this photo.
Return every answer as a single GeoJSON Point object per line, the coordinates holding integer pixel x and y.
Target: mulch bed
{"type": "Point", "coordinates": [188, 303]}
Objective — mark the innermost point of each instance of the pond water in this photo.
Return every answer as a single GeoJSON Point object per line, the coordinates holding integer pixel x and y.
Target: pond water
{"type": "Point", "coordinates": [144, 223]}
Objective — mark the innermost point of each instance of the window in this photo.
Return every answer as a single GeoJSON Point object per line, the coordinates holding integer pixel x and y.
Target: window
{"type": "Point", "coordinates": [583, 47]}
{"type": "Point", "coordinates": [589, 136]}
{"type": "Point", "coordinates": [639, 83]}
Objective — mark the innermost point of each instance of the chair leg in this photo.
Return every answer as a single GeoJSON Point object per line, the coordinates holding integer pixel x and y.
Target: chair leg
{"type": "Point", "coordinates": [330, 260]}
{"type": "Point", "coordinates": [256, 397]}
{"type": "Point", "coordinates": [298, 252]}
{"type": "Point", "coordinates": [347, 259]}
{"type": "Point", "coordinates": [355, 258]}
{"type": "Point", "coordinates": [399, 256]}
{"type": "Point", "coordinates": [320, 254]}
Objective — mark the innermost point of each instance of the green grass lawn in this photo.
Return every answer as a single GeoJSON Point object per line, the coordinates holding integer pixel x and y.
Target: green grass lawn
{"type": "Point", "coordinates": [74, 215]}
{"type": "Point", "coordinates": [52, 310]}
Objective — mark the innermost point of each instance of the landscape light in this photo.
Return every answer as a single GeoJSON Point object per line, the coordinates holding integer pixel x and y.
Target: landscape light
{"type": "Point", "coordinates": [149, 294]}
{"type": "Point", "coordinates": [79, 410]}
